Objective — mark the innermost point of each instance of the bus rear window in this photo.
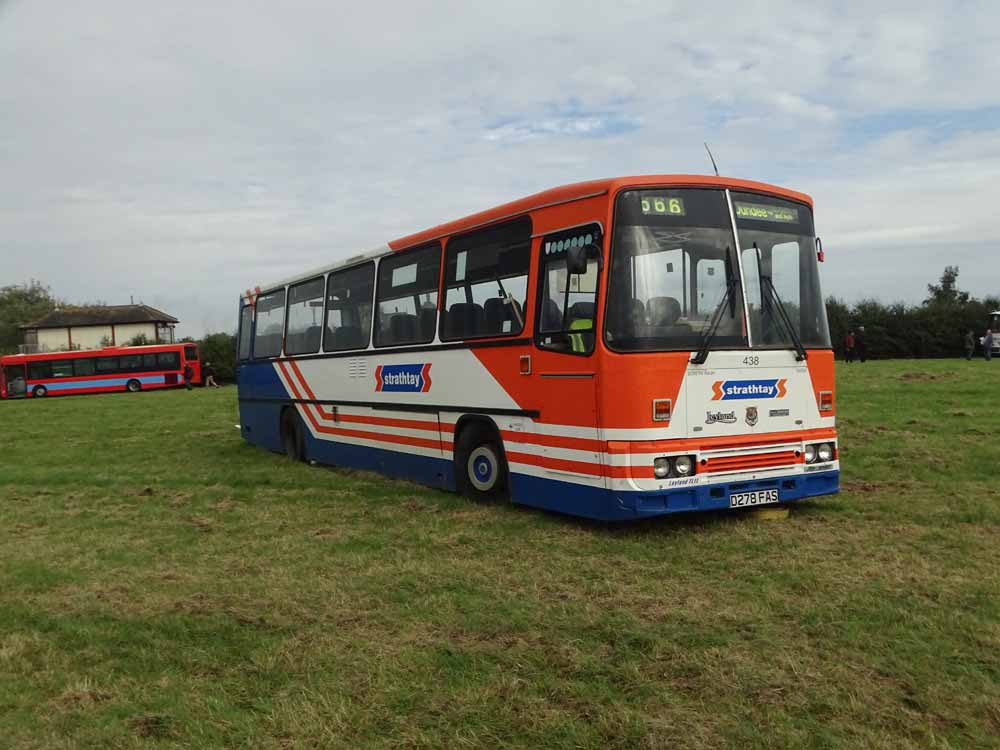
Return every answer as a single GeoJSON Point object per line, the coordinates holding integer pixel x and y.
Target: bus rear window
{"type": "Point", "coordinates": [246, 324]}
{"type": "Point", "coordinates": [191, 353]}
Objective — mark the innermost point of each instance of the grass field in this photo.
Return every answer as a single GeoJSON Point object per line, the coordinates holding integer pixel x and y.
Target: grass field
{"type": "Point", "coordinates": [162, 584]}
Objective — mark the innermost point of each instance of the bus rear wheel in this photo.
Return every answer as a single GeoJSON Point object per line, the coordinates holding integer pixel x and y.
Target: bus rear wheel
{"type": "Point", "coordinates": [292, 439]}
{"type": "Point", "coordinates": [40, 391]}
{"type": "Point", "coordinates": [133, 386]}
{"type": "Point", "coordinates": [480, 466]}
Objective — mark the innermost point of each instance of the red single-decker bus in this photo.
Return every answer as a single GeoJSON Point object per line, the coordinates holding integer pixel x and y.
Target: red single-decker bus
{"type": "Point", "coordinates": [115, 368]}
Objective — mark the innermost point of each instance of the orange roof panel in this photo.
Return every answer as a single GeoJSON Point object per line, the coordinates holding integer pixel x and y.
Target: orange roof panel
{"type": "Point", "coordinates": [579, 190]}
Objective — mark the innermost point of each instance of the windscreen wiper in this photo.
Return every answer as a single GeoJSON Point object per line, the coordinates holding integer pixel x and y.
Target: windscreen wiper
{"type": "Point", "coordinates": [782, 316]}
{"type": "Point", "coordinates": [730, 297]}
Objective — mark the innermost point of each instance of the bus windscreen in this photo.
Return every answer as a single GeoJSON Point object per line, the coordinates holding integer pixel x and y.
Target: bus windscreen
{"type": "Point", "coordinates": [672, 261]}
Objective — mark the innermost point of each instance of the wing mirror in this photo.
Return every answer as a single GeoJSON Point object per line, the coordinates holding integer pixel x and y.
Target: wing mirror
{"type": "Point", "coordinates": [576, 258]}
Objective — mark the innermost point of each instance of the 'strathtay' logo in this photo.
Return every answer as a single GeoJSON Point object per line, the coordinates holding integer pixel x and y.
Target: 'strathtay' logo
{"type": "Point", "coordinates": [731, 390]}
{"type": "Point", "coordinates": [403, 378]}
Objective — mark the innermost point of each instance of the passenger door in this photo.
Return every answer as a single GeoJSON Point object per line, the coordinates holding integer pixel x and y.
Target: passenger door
{"type": "Point", "coordinates": [12, 381]}
{"type": "Point", "coordinates": [565, 368]}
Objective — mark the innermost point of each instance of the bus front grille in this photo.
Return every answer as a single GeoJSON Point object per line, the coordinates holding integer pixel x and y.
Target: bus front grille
{"type": "Point", "coordinates": [750, 462]}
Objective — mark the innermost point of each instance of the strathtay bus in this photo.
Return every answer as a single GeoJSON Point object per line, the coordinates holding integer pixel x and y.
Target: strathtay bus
{"type": "Point", "coordinates": [613, 349]}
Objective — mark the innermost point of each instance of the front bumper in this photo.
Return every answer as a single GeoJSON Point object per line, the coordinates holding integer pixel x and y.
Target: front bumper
{"type": "Point", "coordinates": [715, 496]}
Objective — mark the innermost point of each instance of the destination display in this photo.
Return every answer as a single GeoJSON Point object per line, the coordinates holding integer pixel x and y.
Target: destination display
{"type": "Point", "coordinates": [657, 205]}
{"type": "Point", "coordinates": [765, 212]}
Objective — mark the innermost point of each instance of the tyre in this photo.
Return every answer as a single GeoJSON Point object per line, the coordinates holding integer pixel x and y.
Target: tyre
{"type": "Point", "coordinates": [480, 466]}
{"type": "Point", "coordinates": [292, 439]}
{"type": "Point", "coordinates": [40, 391]}
{"type": "Point", "coordinates": [133, 386]}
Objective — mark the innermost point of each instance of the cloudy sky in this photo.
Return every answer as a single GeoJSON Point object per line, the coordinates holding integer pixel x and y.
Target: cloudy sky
{"type": "Point", "coordinates": [183, 151]}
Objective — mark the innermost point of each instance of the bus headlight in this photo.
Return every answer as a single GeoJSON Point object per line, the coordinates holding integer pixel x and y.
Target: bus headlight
{"type": "Point", "coordinates": [824, 452]}
{"type": "Point", "coordinates": [661, 467]}
{"type": "Point", "coordinates": [683, 465]}
{"type": "Point", "coordinates": [810, 453]}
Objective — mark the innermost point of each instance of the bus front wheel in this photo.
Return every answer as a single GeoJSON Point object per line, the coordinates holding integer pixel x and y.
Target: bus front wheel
{"type": "Point", "coordinates": [133, 386]}
{"type": "Point", "coordinates": [292, 439]}
{"type": "Point", "coordinates": [40, 391]}
{"type": "Point", "coordinates": [480, 466]}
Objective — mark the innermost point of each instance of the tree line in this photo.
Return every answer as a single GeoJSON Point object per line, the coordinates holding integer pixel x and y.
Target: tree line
{"type": "Point", "coordinates": [934, 328]}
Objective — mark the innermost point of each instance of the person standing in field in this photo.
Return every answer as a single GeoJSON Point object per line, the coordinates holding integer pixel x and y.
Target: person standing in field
{"type": "Point", "coordinates": [988, 345]}
{"type": "Point", "coordinates": [861, 344]}
{"type": "Point", "coordinates": [970, 345]}
{"type": "Point", "coordinates": [209, 372]}
{"type": "Point", "coordinates": [849, 346]}
{"type": "Point", "coordinates": [188, 374]}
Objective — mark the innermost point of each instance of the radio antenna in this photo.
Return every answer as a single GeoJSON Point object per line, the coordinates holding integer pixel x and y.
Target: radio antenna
{"type": "Point", "coordinates": [712, 158]}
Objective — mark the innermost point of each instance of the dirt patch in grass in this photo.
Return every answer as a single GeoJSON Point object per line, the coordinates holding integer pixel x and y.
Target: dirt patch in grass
{"type": "Point", "coordinates": [152, 726]}
{"type": "Point", "coordinates": [866, 486]}
{"type": "Point", "coordinates": [202, 523]}
{"type": "Point", "coordinates": [81, 696]}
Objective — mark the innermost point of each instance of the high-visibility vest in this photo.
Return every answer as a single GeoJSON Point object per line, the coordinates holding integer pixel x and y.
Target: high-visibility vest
{"type": "Point", "coordinates": [576, 340]}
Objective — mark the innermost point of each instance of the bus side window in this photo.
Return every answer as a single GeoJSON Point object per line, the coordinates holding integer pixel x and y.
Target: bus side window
{"type": "Point", "coordinates": [270, 324]}
{"type": "Point", "coordinates": [305, 317]}
{"type": "Point", "coordinates": [407, 296]}
{"type": "Point", "coordinates": [349, 308]}
{"type": "Point", "coordinates": [130, 362]}
{"type": "Point", "coordinates": [565, 320]}
{"type": "Point", "coordinates": [485, 279]}
{"type": "Point", "coordinates": [107, 364]}
{"type": "Point", "coordinates": [168, 361]}
{"type": "Point", "coordinates": [39, 370]}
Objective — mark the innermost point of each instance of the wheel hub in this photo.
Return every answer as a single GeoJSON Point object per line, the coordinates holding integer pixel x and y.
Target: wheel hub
{"type": "Point", "coordinates": [483, 468]}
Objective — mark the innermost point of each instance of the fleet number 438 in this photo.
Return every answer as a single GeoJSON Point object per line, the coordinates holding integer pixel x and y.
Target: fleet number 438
{"type": "Point", "coordinates": [751, 361]}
